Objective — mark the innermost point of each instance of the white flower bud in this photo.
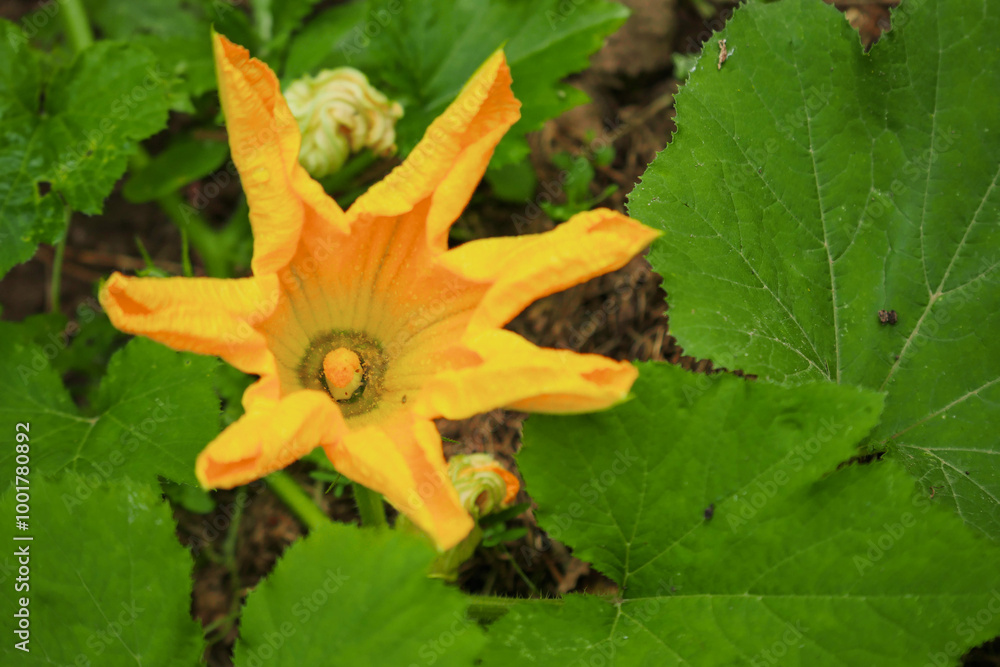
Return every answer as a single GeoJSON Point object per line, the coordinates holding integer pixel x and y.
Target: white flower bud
{"type": "Point", "coordinates": [340, 113]}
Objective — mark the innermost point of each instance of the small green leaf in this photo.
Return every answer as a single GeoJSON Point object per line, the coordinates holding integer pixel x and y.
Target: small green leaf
{"type": "Point", "coordinates": [192, 498]}
{"type": "Point", "coordinates": [719, 507]}
{"type": "Point", "coordinates": [152, 414]}
{"type": "Point", "coordinates": [108, 583]}
{"type": "Point", "coordinates": [27, 216]}
{"type": "Point", "coordinates": [514, 182]}
{"type": "Point", "coordinates": [186, 159]}
{"type": "Point", "coordinates": [342, 593]}
{"type": "Point", "coordinates": [811, 185]}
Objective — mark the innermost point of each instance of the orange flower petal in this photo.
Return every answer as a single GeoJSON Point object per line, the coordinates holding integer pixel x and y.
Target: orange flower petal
{"type": "Point", "coordinates": [448, 163]}
{"type": "Point", "coordinates": [511, 484]}
{"type": "Point", "coordinates": [526, 268]}
{"type": "Point", "coordinates": [269, 438]}
{"type": "Point", "coordinates": [519, 375]}
{"type": "Point", "coordinates": [204, 315]}
{"type": "Point", "coordinates": [265, 140]}
{"type": "Point", "coordinates": [404, 462]}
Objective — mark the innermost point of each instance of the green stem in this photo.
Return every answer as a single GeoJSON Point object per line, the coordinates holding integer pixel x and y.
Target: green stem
{"type": "Point", "coordinates": [485, 609]}
{"type": "Point", "coordinates": [57, 263]}
{"type": "Point", "coordinates": [370, 507]}
{"type": "Point", "coordinates": [199, 232]}
{"type": "Point", "coordinates": [80, 36]}
{"type": "Point", "coordinates": [185, 254]}
{"type": "Point", "coordinates": [78, 30]}
{"type": "Point", "coordinates": [520, 572]}
{"type": "Point", "coordinates": [290, 493]}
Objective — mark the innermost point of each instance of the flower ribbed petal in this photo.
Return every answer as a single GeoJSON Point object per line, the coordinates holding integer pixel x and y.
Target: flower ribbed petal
{"type": "Point", "coordinates": [519, 375]}
{"type": "Point", "coordinates": [403, 461]}
{"type": "Point", "coordinates": [265, 141]}
{"type": "Point", "coordinates": [268, 438]}
{"type": "Point", "coordinates": [204, 315]}
{"type": "Point", "coordinates": [523, 269]}
{"type": "Point", "coordinates": [448, 163]}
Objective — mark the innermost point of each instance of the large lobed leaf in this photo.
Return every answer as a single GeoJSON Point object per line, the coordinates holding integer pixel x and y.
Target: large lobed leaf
{"type": "Point", "coordinates": [810, 185]}
{"type": "Point", "coordinates": [356, 597]}
{"type": "Point", "coordinates": [71, 135]}
{"type": "Point", "coordinates": [151, 415]}
{"type": "Point", "coordinates": [423, 53]}
{"type": "Point", "coordinates": [107, 584]}
{"type": "Point", "coordinates": [718, 507]}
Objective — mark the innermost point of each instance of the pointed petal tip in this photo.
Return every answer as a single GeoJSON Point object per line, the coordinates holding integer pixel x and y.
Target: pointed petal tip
{"type": "Point", "coordinates": [403, 461]}
{"type": "Point", "coordinates": [269, 437]}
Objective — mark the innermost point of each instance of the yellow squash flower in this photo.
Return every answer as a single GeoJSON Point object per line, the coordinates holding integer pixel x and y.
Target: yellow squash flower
{"type": "Point", "coordinates": [377, 286]}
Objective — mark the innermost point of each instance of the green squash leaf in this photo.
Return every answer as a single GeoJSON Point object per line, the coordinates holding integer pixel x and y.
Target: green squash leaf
{"type": "Point", "coordinates": [356, 597]}
{"type": "Point", "coordinates": [152, 414]}
{"type": "Point", "coordinates": [811, 185]}
{"type": "Point", "coordinates": [718, 507]}
{"type": "Point", "coordinates": [27, 215]}
{"type": "Point", "coordinates": [108, 582]}
{"type": "Point", "coordinates": [423, 53]}
{"type": "Point", "coordinates": [73, 134]}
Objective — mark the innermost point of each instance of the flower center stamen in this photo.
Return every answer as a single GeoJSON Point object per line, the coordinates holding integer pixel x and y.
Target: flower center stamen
{"type": "Point", "coordinates": [329, 353]}
{"type": "Point", "coordinates": [344, 373]}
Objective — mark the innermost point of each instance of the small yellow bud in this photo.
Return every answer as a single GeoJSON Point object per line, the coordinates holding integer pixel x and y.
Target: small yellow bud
{"type": "Point", "coordinates": [343, 371]}
{"type": "Point", "coordinates": [340, 113]}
